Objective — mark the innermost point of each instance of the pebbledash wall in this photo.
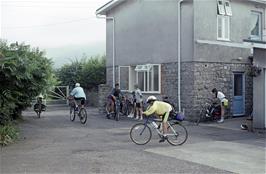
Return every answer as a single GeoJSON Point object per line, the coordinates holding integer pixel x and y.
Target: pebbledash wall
{"type": "Point", "coordinates": [197, 81]}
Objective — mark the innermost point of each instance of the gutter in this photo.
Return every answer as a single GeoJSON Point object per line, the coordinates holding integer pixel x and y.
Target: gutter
{"type": "Point", "coordinates": [179, 54]}
{"type": "Point", "coordinates": [113, 19]}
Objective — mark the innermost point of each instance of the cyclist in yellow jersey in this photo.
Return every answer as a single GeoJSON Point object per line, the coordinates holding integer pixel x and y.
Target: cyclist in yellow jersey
{"type": "Point", "coordinates": [159, 108]}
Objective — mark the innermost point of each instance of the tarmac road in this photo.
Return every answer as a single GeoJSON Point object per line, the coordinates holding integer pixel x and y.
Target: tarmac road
{"type": "Point", "coordinates": [54, 144]}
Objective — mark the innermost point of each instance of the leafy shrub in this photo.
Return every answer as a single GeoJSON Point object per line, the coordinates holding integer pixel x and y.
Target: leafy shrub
{"type": "Point", "coordinates": [24, 73]}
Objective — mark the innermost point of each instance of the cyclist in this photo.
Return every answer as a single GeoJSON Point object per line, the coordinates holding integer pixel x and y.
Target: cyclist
{"type": "Point", "coordinates": [79, 95]}
{"type": "Point", "coordinates": [115, 95]}
{"type": "Point", "coordinates": [223, 100]}
{"type": "Point", "coordinates": [159, 108]}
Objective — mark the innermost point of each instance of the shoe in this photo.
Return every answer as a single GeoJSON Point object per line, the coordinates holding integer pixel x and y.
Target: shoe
{"type": "Point", "coordinates": [130, 116]}
{"type": "Point", "coordinates": [141, 118]}
{"type": "Point", "coordinates": [136, 118]}
{"type": "Point", "coordinates": [244, 127]}
{"type": "Point", "coordinates": [220, 121]}
{"type": "Point", "coordinates": [162, 139]}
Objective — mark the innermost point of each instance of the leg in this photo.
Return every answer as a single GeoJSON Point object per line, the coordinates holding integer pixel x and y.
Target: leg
{"type": "Point", "coordinates": [222, 114]}
{"type": "Point", "coordinates": [165, 119]}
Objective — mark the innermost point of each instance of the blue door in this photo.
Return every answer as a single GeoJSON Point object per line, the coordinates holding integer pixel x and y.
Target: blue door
{"type": "Point", "coordinates": [239, 100]}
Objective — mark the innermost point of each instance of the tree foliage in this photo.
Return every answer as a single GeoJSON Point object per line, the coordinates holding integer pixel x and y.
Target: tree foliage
{"type": "Point", "coordinates": [24, 73]}
{"type": "Point", "coordinates": [89, 72]}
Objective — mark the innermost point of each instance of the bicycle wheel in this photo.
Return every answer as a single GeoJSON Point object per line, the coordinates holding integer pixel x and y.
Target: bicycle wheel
{"type": "Point", "coordinates": [117, 116]}
{"type": "Point", "coordinates": [72, 113]}
{"type": "Point", "coordinates": [178, 134]}
{"type": "Point", "coordinates": [201, 116]}
{"type": "Point", "coordinates": [140, 134]}
{"type": "Point", "coordinates": [83, 115]}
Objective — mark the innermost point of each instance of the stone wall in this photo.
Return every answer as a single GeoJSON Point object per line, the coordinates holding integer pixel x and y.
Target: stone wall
{"type": "Point", "coordinates": [208, 76]}
{"type": "Point", "coordinates": [103, 92]}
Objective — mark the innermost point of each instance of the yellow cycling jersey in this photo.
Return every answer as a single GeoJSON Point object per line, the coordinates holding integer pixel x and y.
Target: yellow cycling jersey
{"type": "Point", "coordinates": [158, 108]}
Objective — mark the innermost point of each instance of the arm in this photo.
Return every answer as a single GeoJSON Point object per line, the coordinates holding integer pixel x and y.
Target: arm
{"type": "Point", "coordinates": [150, 110]}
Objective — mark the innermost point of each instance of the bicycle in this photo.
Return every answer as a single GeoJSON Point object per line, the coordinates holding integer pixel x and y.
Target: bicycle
{"type": "Point", "coordinates": [141, 133]}
{"type": "Point", "coordinates": [39, 107]}
{"type": "Point", "coordinates": [209, 112]}
{"type": "Point", "coordinates": [127, 106]}
{"type": "Point", "coordinates": [79, 111]}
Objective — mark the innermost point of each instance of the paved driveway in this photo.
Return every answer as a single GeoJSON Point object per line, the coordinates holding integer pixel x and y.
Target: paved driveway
{"type": "Point", "coordinates": [54, 144]}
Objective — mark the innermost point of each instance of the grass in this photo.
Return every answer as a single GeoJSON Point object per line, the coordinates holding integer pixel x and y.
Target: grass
{"type": "Point", "coordinates": [8, 133]}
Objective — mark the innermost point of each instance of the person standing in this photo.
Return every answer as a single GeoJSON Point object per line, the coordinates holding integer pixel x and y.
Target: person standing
{"type": "Point", "coordinates": [138, 96]}
{"type": "Point", "coordinates": [223, 102]}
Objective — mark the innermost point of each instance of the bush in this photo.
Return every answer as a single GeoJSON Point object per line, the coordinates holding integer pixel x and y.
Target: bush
{"type": "Point", "coordinates": [24, 73]}
{"type": "Point", "coordinates": [8, 134]}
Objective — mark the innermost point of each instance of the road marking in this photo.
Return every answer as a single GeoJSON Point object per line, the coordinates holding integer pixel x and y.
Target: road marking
{"type": "Point", "coordinates": [234, 157]}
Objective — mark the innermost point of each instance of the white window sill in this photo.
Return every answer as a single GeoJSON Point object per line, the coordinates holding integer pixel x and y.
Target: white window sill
{"type": "Point", "coordinates": [222, 39]}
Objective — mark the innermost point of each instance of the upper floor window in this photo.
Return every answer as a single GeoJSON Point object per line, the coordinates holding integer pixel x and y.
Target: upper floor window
{"type": "Point", "coordinates": [256, 25]}
{"type": "Point", "coordinates": [223, 27]}
{"type": "Point", "coordinates": [224, 11]}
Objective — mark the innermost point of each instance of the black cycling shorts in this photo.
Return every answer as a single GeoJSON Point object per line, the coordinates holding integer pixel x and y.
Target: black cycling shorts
{"type": "Point", "coordinates": [80, 98]}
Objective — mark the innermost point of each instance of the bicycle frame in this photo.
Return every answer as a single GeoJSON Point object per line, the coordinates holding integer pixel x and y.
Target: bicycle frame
{"type": "Point", "coordinates": [148, 122]}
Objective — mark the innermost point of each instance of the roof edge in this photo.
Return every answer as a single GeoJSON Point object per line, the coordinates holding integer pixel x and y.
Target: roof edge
{"type": "Point", "coordinates": [108, 6]}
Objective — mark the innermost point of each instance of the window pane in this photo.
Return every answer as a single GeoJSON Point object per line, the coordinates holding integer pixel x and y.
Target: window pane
{"type": "Point", "coordinates": [150, 81]}
{"type": "Point", "coordinates": [124, 78]}
{"type": "Point", "coordinates": [238, 85]}
{"type": "Point", "coordinates": [219, 27]}
{"type": "Point", "coordinates": [255, 24]}
{"type": "Point", "coordinates": [226, 27]}
{"type": "Point", "coordinates": [141, 80]}
{"type": "Point", "coordinates": [155, 78]}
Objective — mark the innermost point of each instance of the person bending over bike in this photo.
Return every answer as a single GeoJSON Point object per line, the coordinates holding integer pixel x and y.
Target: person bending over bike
{"type": "Point", "coordinates": [79, 95]}
{"type": "Point", "coordinates": [159, 108]}
{"type": "Point", "coordinates": [223, 101]}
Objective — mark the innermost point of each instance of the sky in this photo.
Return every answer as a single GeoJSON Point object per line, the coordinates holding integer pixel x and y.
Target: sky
{"type": "Point", "coordinates": [52, 23]}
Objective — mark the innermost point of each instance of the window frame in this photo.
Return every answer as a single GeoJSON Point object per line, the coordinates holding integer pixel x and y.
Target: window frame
{"type": "Point", "coordinates": [257, 37]}
{"type": "Point", "coordinates": [147, 82]}
{"type": "Point", "coordinates": [225, 28]}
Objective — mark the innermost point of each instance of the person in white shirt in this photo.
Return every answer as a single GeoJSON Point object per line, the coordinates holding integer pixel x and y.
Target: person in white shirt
{"type": "Point", "coordinates": [138, 96]}
{"type": "Point", "coordinates": [78, 94]}
{"type": "Point", "coordinates": [223, 100]}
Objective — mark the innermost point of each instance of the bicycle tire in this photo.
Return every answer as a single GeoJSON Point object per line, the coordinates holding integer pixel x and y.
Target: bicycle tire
{"type": "Point", "coordinates": [138, 131]}
{"type": "Point", "coordinates": [117, 116]}
{"type": "Point", "coordinates": [83, 115]}
{"type": "Point", "coordinates": [181, 134]}
{"type": "Point", "coordinates": [72, 114]}
{"type": "Point", "coordinates": [201, 117]}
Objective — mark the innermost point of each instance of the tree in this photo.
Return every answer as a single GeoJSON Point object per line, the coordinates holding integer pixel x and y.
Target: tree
{"type": "Point", "coordinates": [24, 73]}
{"type": "Point", "coordinates": [89, 72]}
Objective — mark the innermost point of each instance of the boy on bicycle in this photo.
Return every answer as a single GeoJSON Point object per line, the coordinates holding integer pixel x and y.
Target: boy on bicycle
{"type": "Point", "coordinates": [159, 108]}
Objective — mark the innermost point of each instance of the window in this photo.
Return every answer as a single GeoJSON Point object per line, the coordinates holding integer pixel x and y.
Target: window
{"type": "Point", "coordinates": [223, 27]}
{"type": "Point", "coordinates": [256, 27]}
{"type": "Point", "coordinates": [124, 77]}
{"type": "Point", "coordinates": [148, 78]}
{"type": "Point", "coordinates": [220, 7]}
{"type": "Point", "coordinates": [228, 9]}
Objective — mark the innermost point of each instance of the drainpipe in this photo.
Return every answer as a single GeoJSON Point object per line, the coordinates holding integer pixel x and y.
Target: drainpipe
{"type": "Point", "coordinates": [113, 19]}
{"type": "Point", "coordinates": [179, 54]}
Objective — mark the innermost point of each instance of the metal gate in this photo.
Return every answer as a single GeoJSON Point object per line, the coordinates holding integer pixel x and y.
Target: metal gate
{"type": "Point", "coordinates": [57, 96]}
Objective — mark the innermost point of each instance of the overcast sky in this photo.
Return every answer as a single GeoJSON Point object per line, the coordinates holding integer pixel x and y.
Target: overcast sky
{"type": "Point", "coordinates": [52, 23]}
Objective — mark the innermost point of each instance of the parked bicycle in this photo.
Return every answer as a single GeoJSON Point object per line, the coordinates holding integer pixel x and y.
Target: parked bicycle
{"type": "Point", "coordinates": [209, 112]}
{"type": "Point", "coordinates": [177, 134]}
{"type": "Point", "coordinates": [77, 111]}
{"type": "Point", "coordinates": [39, 107]}
{"type": "Point", "coordinates": [127, 105]}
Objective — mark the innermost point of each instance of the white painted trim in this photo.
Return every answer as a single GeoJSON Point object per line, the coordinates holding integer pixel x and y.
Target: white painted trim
{"type": "Point", "coordinates": [225, 27]}
{"type": "Point", "coordinates": [228, 44]}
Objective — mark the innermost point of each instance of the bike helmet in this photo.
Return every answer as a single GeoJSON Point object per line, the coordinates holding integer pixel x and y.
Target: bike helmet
{"type": "Point", "coordinates": [151, 98]}
{"type": "Point", "coordinates": [77, 85]}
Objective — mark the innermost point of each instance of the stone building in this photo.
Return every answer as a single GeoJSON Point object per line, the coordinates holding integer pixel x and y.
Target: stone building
{"type": "Point", "coordinates": [184, 48]}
